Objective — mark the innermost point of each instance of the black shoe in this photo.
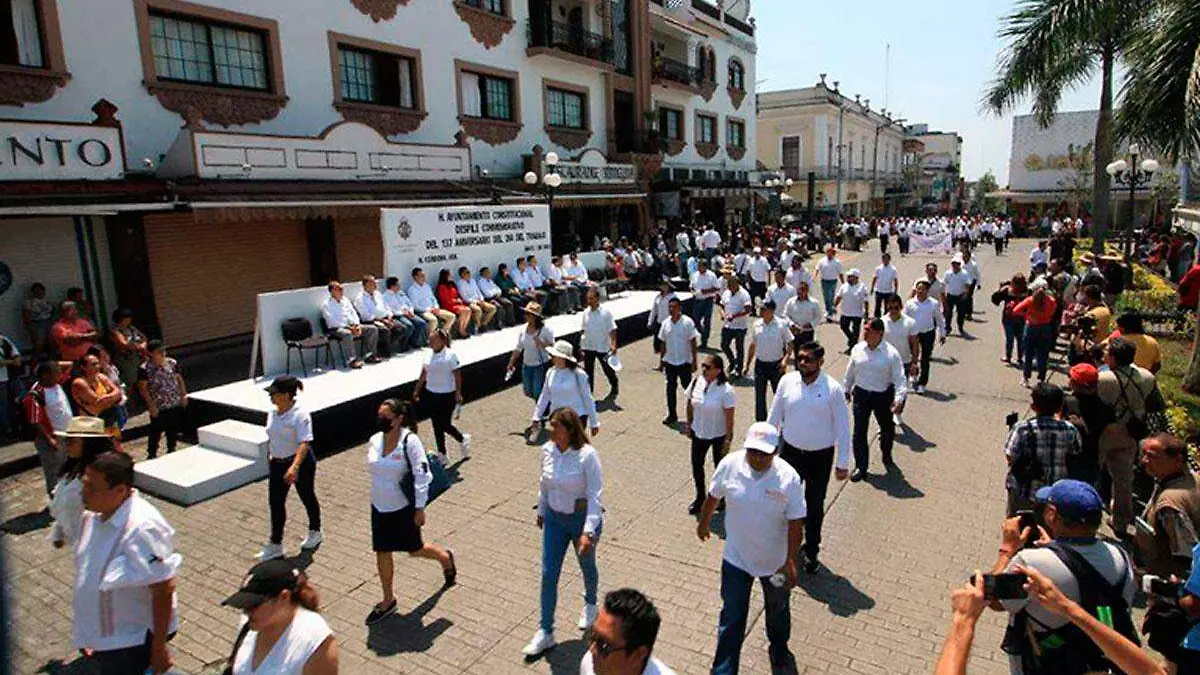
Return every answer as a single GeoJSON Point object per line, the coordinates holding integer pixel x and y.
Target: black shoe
{"type": "Point", "coordinates": [889, 462]}
{"type": "Point", "coordinates": [379, 612]}
{"type": "Point", "coordinates": [812, 565]}
{"type": "Point", "coordinates": [670, 419]}
{"type": "Point", "coordinates": [858, 475]}
{"type": "Point", "coordinates": [450, 576]}
{"type": "Point", "coordinates": [694, 507]}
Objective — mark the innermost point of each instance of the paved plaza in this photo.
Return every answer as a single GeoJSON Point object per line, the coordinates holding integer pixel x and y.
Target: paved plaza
{"type": "Point", "coordinates": [894, 545]}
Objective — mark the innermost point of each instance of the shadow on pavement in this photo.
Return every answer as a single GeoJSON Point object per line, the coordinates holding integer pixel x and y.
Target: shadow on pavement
{"type": "Point", "coordinates": [27, 522]}
{"type": "Point", "coordinates": [947, 361]}
{"type": "Point", "coordinates": [406, 633]}
{"type": "Point", "coordinates": [894, 484]}
{"type": "Point", "coordinates": [564, 658]}
{"type": "Point", "coordinates": [909, 438]}
{"type": "Point", "coordinates": [836, 592]}
{"type": "Point", "coordinates": [938, 396]}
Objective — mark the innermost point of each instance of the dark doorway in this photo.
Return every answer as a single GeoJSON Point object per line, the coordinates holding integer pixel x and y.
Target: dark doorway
{"type": "Point", "coordinates": [624, 119]}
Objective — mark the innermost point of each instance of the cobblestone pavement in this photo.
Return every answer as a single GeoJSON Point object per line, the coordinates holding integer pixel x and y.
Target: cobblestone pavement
{"type": "Point", "coordinates": [894, 545]}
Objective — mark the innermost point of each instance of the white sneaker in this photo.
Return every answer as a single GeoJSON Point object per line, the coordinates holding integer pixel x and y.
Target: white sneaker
{"type": "Point", "coordinates": [541, 642]}
{"type": "Point", "coordinates": [270, 552]}
{"type": "Point", "coordinates": [313, 540]}
{"type": "Point", "coordinates": [465, 446]}
{"type": "Point", "coordinates": [587, 616]}
{"type": "Point", "coordinates": [1025, 382]}
{"type": "Point", "coordinates": [920, 389]}
{"type": "Point", "coordinates": [898, 420]}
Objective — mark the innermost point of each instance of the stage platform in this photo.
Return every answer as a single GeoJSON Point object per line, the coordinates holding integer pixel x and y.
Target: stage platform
{"type": "Point", "coordinates": [343, 401]}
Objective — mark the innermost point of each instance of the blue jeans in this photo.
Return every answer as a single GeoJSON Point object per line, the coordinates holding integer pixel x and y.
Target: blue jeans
{"type": "Point", "coordinates": [558, 531]}
{"type": "Point", "coordinates": [735, 607]}
{"type": "Point", "coordinates": [828, 288]}
{"type": "Point", "coordinates": [1039, 340]}
{"type": "Point", "coordinates": [702, 314]}
{"type": "Point", "coordinates": [532, 379]}
{"type": "Point", "coordinates": [420, 331]}
{"type": "Point", "coordinates": [1013, 329]}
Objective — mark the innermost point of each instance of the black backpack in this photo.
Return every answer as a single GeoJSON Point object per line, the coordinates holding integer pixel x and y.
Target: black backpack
{"type": "Point", "coordinates": [1068, 650]}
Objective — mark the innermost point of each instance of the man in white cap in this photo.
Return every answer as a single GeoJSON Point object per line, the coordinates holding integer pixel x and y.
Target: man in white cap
{"type": "Point", "coordinates": [764, 529]}
{"type": "Point", "coordinates": [852, 300]}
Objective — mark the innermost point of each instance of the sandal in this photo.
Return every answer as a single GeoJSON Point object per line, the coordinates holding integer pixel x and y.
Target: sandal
{"type": "Point", "coordinates": [379, 612]}
{"type": "Point", "coordinates": [451, 574]}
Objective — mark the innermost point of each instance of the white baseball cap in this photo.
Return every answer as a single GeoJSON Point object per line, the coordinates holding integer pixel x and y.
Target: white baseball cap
{"type": "Point", "coordinates": [762, 436]}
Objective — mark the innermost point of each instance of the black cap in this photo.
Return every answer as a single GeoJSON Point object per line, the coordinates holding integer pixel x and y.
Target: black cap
{"type": "Point", "coordinates": [284, 384]}
{"type": "Point", "coordinates": [265, 581]}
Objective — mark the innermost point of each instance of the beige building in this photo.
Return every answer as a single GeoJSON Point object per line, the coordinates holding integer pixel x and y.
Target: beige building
{"type": "Point", "coordinates": [853, 151]}
{"type": "Point", "coordinates": [940, 187]}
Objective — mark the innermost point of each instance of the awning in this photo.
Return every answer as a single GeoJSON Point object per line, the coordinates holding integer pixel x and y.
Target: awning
{"type": "Point", "coordinates": [600, 200]}
{"type": "Point", "coordinates": [714, 193]}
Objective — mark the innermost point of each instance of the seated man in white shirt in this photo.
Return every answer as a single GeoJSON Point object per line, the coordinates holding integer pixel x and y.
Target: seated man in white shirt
{"type": "Point", "coordinates": [425, 304]}
{"type": "Point", "coordinates": [506, 310]}
{"type": "Point", "coordinates": [400, 305]}
{"type": "Point", "coordinates": [469, 291]}
{"type": "Point", "coordinates": [343, 323]}
{"type": "Point", "coordinates": [556, 276]}
{"type": "Point", "coordinates": [576, 273]}
{"type": "Point", "coordinates": [373, 310]}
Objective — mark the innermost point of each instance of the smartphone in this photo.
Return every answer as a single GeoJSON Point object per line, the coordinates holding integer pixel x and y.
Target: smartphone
{"type": "Point", "coordinates": [1009, 586]}
{"type": "Point", "coordinates": [1028, 519]}
{"type": "Point", "coordinates": [1163, 588]}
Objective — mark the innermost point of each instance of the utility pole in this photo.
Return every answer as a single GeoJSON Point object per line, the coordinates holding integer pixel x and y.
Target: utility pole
{"type": "Point", "coordinates": [841, 116]}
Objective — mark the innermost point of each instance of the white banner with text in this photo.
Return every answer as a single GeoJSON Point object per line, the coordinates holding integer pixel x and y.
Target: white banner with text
{"type": "Point", "coordinates": [453, 236]}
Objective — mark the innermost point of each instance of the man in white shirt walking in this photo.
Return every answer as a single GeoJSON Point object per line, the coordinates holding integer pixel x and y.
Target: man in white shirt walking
{"type": "Point", "coordinates": [677, 358]}
{"type": "Point", "coordinates": [929, 325]}
{"type": "Point", "coordinates": [971, 267]}
{"type": "Point", "coordinates": [770, 344]}
{"type": "Point", "coordinates": [759, 269]}
{"type": "Point", "coordinates": [736, 308]}
{"type": "Point", "coordinates": [829, 271]}
{"type": "Point", "coordinates": [599, 342]}
{"type": "Point", "coordinates": [884, 283]}
{"type": "Point", "coordinates": [125, 569]}
{"type": "Point", "coordinates": [710, 241]}
{"type": "Point", "coordinates": [958, 284]}
{"type": "Point", "coordinates": [875, 382]}
{"type": "Point", "coordinates": [621, 641]}
{"type": "Point", "coordinates": [707, 288]}
{"type": "Point", "coordinates": [810, 410]}
{"type": "Point", "coordinates": [343, 323]}
{"type": "Point", "coordinates": [900, 331]}
{"type": "Point", "coordinates": [803, 314]}
{"type": "Point", "coordinates": [781, 291]}
{"type": "Point", "coordinates": [764, 528]}
{"type": "Point", "coordinates": [852, 300]}
{"type": "Point", "coordinates": [796, 273]}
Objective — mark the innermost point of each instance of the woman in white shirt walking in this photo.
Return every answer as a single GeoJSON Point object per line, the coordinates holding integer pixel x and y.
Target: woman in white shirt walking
{"type": "Point", "coordinates": [566, 386]}
{"type": "Point", "coordinates": [441, 384]}
{"type": "Point", "coordinates": [290, 461]}
{"type": "Point", "coordinates": [400, 479]}
{"type": "Point", "coordinates": [83, 441]}
{"type": "Point", "coordinates": [283, 633]}
{"type": "Point", "coordinates": [531, 350]}
{"type": "Point", "coordinates": [710, 407]}
{"type": "Point", "coordinates": [570, 512]}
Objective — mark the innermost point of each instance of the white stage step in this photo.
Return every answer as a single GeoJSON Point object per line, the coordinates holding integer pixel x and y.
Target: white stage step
{"type": "Point", "coordinates": [196, 473]}
{"type": "Point", "coordinates": [237, 438]}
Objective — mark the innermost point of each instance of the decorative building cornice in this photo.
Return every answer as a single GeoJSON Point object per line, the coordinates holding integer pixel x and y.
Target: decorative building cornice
{"type": "Point", "coordinates": [223, 107]}
{"type": "Point", "coordinates": [736, 96]}
{"type": "Point", "coordinates": [487, 28]}
{"type": "Point", "coordinates": [492, 132]}
{"type": "Point", "coordinates": [674, 147]}
{"type": "Point", "coordinates": [572, 139]}
{"type": "Point", "coordinates": [387, 121]}
{"type": "Point", "coordinates": [378, 10]}
{"type": "Point", "coordinates": [19, 86]}
{"type": "Point", "coordinates": [647, 166]}
{"type": "Point", "coordinates": [707, 150]}
{"type": "Point", "coordinates": [736, 154]}
{"type": "Point", "coordinates": [707, 89]}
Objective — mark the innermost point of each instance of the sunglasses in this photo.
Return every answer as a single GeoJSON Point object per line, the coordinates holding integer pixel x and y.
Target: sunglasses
{"type": "Point", "coordinates": [706, 366]}
{"type": "Point", "coordinates": [806, 359]}
{"type": "Point", "coordinates": [604, 647]}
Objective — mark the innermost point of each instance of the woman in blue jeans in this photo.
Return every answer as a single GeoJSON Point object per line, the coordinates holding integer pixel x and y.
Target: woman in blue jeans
{"type": "Point", "coordinates": [569, 514]}
{"type": "Point", "coordinates": [1008, 296]}
{"type": "Point", "coordinates": [531, 351]}
{"type": "Point", "coordinates": [1038, 312]}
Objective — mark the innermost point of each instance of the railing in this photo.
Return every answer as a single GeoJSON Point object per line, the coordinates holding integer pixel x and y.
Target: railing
{"type": "Point", "coordinates": [800, 173]}
{"type": "Point", "coordinates": [481, 4]}
{"type": "Point", "coordinates": [642, 142]}
{"type": "Point", "coordinates": [739, 24]}
{"type": "Point", "coordinates": [571, 39]}
{"type": "Point", "coordinates": [706, 8]}
{"type": "Point", "coordinates": [676, 71]}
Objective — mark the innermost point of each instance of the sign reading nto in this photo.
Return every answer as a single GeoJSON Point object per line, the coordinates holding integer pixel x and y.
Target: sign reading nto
{"type": "Point", "coordinates": [52, 151]}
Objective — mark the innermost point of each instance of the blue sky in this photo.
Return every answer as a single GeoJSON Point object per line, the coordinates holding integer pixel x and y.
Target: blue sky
{"type": "Point", "coordinates": [943, 54]}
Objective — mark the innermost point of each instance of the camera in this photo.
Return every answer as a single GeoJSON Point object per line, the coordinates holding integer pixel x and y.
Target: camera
{"type": "Point", "coordinates": [1163, 588]}
{"type": "Point", "coordinates": [1011, 419]}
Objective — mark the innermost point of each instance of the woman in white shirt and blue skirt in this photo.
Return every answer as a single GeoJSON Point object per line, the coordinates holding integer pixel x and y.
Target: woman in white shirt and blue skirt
{"type": "Point", "coordinates": [566, 386]}
{"type": "Point", "coordinates": [440, 385]}
{"type": "Point", "coordinates": [291, 461]}
{"type": "Point", "coordinates": [570, 513]}
{"type": "Point", "coordinates": [400, 479]}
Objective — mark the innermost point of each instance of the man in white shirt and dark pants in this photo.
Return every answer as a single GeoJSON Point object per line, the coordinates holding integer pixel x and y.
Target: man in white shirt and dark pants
{"type": "Point", "coordinates": [885, 283]}
{"type": "Point", "coordinates": [125, 569]}
{"type": "Point", "coordinates": [810, 409]}
{"type": "Point", "coordinates": [958, 284]}
{"type": "Point", "coordinates": [343, 323]}
{"type": "Point", "coordinates": [372, 309]}
{"type": "Point", "coordinates": [759, 269]}
{"type": "Point", "coordinates": [735, 321]}
{"type": "Point", "coordinates": [876, 383]}
{"type": "Point", "coordinates": [769, 347]}
{"type": "Point", "coordinates": [707, 288]}
{"type": "Point", "coordinates": [829, 271]}
{"type": "Point", "coordinates": [677, 358]}
{"type": "Point", "coordinates": [764, 528]}
{"type": "Point", "coordinates": [598, 342]}
{"type": "Point", "coordinates": [926, 314]}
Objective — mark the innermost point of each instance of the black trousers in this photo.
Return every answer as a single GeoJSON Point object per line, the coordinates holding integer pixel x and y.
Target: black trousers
{"type": "Point", "coordinates": [277, 492]}
{"type": "Point", "coordinates": [700, 448]}
{"type": "Point", "coordinates": [814, 466]}
{"type": "Point", "coordinates": [865, 404]}
{"type": "Point", "coordinates": [658, 344]}
{"type": "Point", "coordinates": [589, 367]}
{"type": "Point", "coordinates": [678, 377]}
{"type": "Point", "coordinates": [758, 289]}
{"type": "Point", "coordinates": [955, 302]}
{"type": "Point", "coordinates": [737, 338]}
{"type": "Point", "coordinates": [169, 421]}
{"type": "Point", "coordinates": [851, 328]}
{"type": "Point", "coordinates": [124, 661]}
{"type": "Point", "coordinates": [505, 310]}
{"type": "Point", "coordinates": [999, 245]}
{"type": "Point", "coordinates": [926, 340]}
{"type": "Point", "coordinates": [765, 372]}
{"type": "Point", "coordinates": [881, 302]}
{"type": "Point", "coordinates": [441, 416]}
{"type": "Point", "coordinates": [903, 243]}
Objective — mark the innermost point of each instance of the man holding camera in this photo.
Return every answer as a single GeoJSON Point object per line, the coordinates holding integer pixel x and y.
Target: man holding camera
{"type": "Point", "coordinates": [1039, 449]}
{"type": "Point", "coordinates": [1094, 573]}
{"type": "Point", "coordinates": [1126, 389]}
{"type": "Point", "coordinates": [1166, 536]}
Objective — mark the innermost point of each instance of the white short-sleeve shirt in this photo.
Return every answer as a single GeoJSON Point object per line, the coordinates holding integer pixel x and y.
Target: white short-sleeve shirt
{"type": "Point", "coordinates": [295, 646]}
{"type": "Point", "coordinates": [737, 303]}
{"type": "Point", "coordinates": [439, 371]}
{"type": "Point", "coordinates": [287, 430]}
{"type": "Point", "coordinates": [758, 506]}
{"type": "Point", "coordinates": [709, 401]}
{"type": "Point", "coordinates": [829, 270]}
{"type": "Point", "coordinates": [678, 338]}
{"type": "Point", "coordinates": [897, 332]}
{"type": "Point", "coordinates": [598, 324]}
{"type": "Point", "coordinates": [770, 339]}
{"type": "Point", "coordinates": [885, 279]}
{"type": "Point", "coordinates": [854, 299]}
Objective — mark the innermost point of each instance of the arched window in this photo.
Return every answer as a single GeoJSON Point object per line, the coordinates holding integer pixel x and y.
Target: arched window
{"type": "Point", "coordinates": [737, 75]}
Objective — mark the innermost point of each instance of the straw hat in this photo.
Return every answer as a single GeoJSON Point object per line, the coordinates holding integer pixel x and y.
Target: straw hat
{"type": "Point", "coordinates": [563, 350]}
{"type": "Point", "coordinates": [534, 309]}
{"type": "Point", "coordinates": [83, 427]}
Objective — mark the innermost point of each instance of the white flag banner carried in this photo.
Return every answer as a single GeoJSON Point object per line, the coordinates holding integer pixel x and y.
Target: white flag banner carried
{"type": "Point", "coordinates": [455, 236]}
{"type": "Point", "coordinates": [942, 242]}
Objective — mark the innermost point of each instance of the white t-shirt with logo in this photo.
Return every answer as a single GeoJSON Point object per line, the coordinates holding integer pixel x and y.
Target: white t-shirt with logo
{"type": "Point", "coordinates": [439, 371]}
{"type": "Point", "coordinates": [758, 506]}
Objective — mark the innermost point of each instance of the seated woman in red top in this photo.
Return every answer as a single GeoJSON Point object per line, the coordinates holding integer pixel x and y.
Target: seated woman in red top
{"type": "Point", "coordinates": [449, 300]}
{"type": "Point", "coordinates": [1038, 312]}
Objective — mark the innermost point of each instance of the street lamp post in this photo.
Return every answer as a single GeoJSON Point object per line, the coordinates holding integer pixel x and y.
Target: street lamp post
{"type": "Point", "coordinates": [779, 185]}
{"type": "Point", "coordinates": [550, 180]}
{"type": "Point", "coordinates": [1133, 174]}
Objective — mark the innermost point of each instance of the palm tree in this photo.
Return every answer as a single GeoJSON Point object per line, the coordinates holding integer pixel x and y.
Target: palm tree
{"type": "Point", "coordinates": [1054, 45]}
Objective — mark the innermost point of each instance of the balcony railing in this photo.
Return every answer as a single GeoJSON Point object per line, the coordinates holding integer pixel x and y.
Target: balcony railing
{"type": "Point", "coordinates": [482, 4]}
{"type": "Point", "coordinates": [571, 39]}
{"type": "Point", "coordinates": [676, 71]}
{"type": "Point", "coordinates": [739, 24]}
{"type": "Point", "coordinates": [642, 142]}
{"type": "Point", "coordinates": [707, 8]}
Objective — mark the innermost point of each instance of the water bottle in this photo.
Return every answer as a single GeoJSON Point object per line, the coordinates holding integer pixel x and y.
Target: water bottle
{"type": "Point", "coordinates": [777, 580]}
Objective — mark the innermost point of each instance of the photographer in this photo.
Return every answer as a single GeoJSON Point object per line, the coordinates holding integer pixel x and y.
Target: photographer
{"type": "Point", "coordinates": [1166, 537]}
{"type": "Point", "coordinates": [1093, 573]}
{"type": "Point", "coordinates": [1040, 449]}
